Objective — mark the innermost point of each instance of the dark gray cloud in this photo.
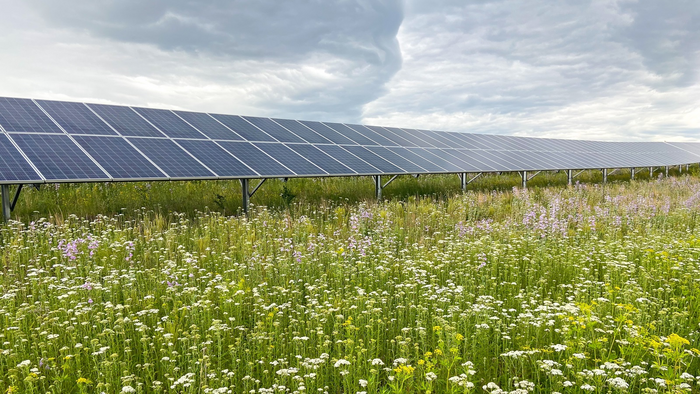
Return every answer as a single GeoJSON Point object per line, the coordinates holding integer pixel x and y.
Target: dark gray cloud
{"type": "Point", "coordinates": [607, 69]}
{"type": "Point", "coordinates": [352, 42]}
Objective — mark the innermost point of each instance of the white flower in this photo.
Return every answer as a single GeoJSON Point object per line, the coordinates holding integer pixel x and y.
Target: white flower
{"type": "Point", "coordinates": [618, 383]}
{"type": "Point", "coordinates": [430, 376]}
{"type": "Point", "coordinates": [579, 355]}
{"type": "Point", "coordinates": [588, 387]}
{"type": "Point", "coordinates": [363, 383]}
{"type": "Point", "coordinates": [377, 361]}
{"type": "Point", "coordinates": [558, 347]}
{"type": "Point", "coordinates": [128, 389]}
{"type": "Point", "coordinates": [24, 363]}
{"type": "Point", "coordinates": [341, 362]}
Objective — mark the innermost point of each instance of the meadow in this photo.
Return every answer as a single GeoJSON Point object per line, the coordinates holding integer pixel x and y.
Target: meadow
{"type": "Point", "coordinates": [161, 288]}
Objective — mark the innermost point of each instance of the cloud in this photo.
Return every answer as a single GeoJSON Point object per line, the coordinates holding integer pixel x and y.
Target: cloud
{"type": "Point", "coordinates": [317, 58]}
{"type": "Point", "coordinates": [574, 69]}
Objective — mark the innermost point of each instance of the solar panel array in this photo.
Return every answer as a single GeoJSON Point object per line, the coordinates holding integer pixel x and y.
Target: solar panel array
{"type": "Point", "coordinates": [54, 141]}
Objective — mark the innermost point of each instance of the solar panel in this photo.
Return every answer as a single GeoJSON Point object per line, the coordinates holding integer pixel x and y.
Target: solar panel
{"type": "Point", "coordinates": [396, 139]}
{"type": "Point", "coordinates": [211, 127]}
{"type": "Point", "coordinates": [22, 115]}
{"type": "Point", "coordinates": [14, 167]}
{"type": "Point", "coordinates": [169, 123]}
{"type": "Point", "coordinates": [355, 163]}
{"type": "Point", "coordinates": [441, 160]}
{"type": "Point", "coordinates": [58, 158]}
{"type": "Point", "coordinates": [373, 159]}
{"type": "Point", "coordinates": [372, 135]}
{"type": "Point", "coordinates": [329, 133]}
{"type": "Point", "coordinates": [302, 131]}
{"type": "Point", "coordinates": [121, 160]}
{"type": "Point", "coordinates": [418, 160]}
{"type": "Point", "coordinates": [256, 159]}
{"type": "Point", "coordinates": [290, 159]}
{"type": "Point", "coordinates": [75, 118]}
{"type": "Point", "coordinates": [217, 159]}
{"type": "Point", "coordinates": [125, 121]}
{"type": "Point", "coordinates": [243, 128]}
{"type": "Point", "coordinates": [278, 132]}
{"type": "Point", "coordinates": [171, 158]}
{"type": "Point", "coordinates": [429, 142]}
{"type": "Point", "coordinates": [350, 133]}
{"type": "Point", "coordinates": [321, 159]}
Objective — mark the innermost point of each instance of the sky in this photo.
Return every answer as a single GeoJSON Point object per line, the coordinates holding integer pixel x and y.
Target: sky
{"type": "Point", "coordinates": [601, 69]}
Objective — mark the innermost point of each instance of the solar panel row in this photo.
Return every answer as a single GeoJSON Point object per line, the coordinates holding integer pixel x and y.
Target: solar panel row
{"type": "Point", "coordinates": [55, 141]}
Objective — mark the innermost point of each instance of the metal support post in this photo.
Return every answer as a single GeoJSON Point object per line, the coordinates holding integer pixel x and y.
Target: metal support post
{"type": "Point", "coordinates": [570, 177]}
{"type": "Point", "coordinates": [632, 170]}
{"type": "Point", "coordinates": [6, 208]}
{"type": "Point", "coordinates": [377, 186]}
{"type": "Point", "coordinates": [687, 168]}
{"type": "Point", "coordinates": [666, 171]}
{"type": "Point", "coordinates": [245, 194]}
{"type": "Point", "coordinates": [605, 175]}
{"type": "Point", "coordinates": [463, 181]}
{"type": "Point", "coordinates": [651, 172]}
{"type": "Point", "coordinates": [524, 175]}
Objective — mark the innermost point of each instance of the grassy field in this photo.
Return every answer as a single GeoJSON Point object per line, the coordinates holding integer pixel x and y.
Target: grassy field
{"type": "Point", "coordinates": [583, 289]}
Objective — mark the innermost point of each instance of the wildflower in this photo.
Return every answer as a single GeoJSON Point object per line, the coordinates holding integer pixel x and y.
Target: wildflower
{"type": "Point", "coordinates": [558, 347]}
{"type": "Point", "coordinates": [430, 376]}
{"type": "Point", "coordinates": [24, 363]}
{"type": "Point", "coordinates": [618, 383]}
{"type": "Point", "coordinates": [341, 362]}
{"type": "Point", "coordinates": [84, 381]}
{"type": "Point", "coordinates": [363, 383]}
{"type": "Point", "coordinates": [128, 389]}
{"type": "Point", "coordinates": [588, 387]}
{"type": "Point", "coordinates": [377, 361]}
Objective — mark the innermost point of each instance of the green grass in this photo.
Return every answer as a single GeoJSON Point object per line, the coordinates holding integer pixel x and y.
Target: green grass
{"type": "Point", "coordinates": [550, 289]}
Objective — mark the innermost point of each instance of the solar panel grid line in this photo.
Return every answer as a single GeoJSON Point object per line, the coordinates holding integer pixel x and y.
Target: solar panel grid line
{"type": "Point", "coordinates": [429, 141]}
{"type": "Point", "coordinates": [324, 161]}
{"type": "Point", "coordinates": [23, 115]}
{"type": "Point", "coordinates": [161, 119]}
{"type": "Point", "coordinates": [243, 127]}
{"type": "Point", "coordinates": [348, 132]}
{"type": "Point", "coordinates": [409, 154]}
{"type": "Point", "coordinates": [411, 136]}
{"type": "Point", "coordinates": [380, 163]}
{"type": "Point", "coordinates": [128, 142]}
{"type": "Point", "coordinates": [392, 136]}
{"type": "Point", "coordinates": [335, 150]}
{"type": "Point", "coordinates": [459, 154]}
{"type": "Point", "coordinates": [121, 159]}
{"type": "Point", "coordinates": [233, 144]}
{"type": "Point", "coordinates": [398, 160]}
{"type": "Point", "coordinates": [686, 150]}
{"type": "Point", "coordinates": [296, 127]}
{"type": "Point", "coordinates": [234, 156]}
{"type": "Point", "coordinates": [75, 118]}
{"type": "Point", "coordinates": [19, 167]}
{"type": "Point", "coordinates": [73, 140]}
{"type": "Point", "coordinates": [463, 165]}
{"type": "Point", "coordinates": [21, 152]}
{"type": "Point", "coordinates": [441, 137]}
{"type": "Point", "coordinates": [372, 135]}
{"type": "Point", "coordinates": [296, 163]}
{"type": "Point", "coordinates": [272, 128]}
{"type": "Point", "coordinates": [221, 161]}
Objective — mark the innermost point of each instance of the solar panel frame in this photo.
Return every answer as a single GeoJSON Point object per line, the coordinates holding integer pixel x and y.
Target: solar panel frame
{"type": "Point", "coordinates": [123, 155]}
{"type": "Point", "coordinates": [292, 160]}
{"type": "Point", "coordinates": [322, 160]}
{"type": "Point", "coordinates": [273, 129]}
{"type": "Point", "coordinates": [169, 123]}
{"type": "Point", "coordinates": [209, 126]}
{"type": "Point", "coordinates": [174, 160]}
{"type": "Point", "coordinates": [391, 136]}
{"type": "Point", "coordinates": [75, 118]}
{"type": "Point", "coordinates": [383, 165]}
{"type": "Point", "coordinates": [245, 129]}
{"type": "Point", "coordinates": [25, 116]}
{"type": "Point", "coordinates": [125, 121]}
{"type": "Point", "coordinates": [351, 133]}
{"type": "Point", "coordinates": [16, 167]}
{"type": "Point", "coordinates": [302, 131]}
{"type": "Point", "coordinates": [218, 159]}
{"type": "Point", "coordinates": [256, 159]}
{"type": "Point", "coordinates": [329, 133]}
{"type": "Point", "coordinates": [355, 163]}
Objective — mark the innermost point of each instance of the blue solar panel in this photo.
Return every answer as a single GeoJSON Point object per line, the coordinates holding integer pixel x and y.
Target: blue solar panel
{"type": "Point", "coordinates": [474, 161]}
{"type": "Point", "coordinates": [417, 159]}
{"type": "Point", "coordinates": [335, 136]}
{"type": "Point", "coordinates": [76, 118]}
{"type": "Point", "coordinates": [209, 126]}
{"type": "Point", "coordinates": [397, 159]}
{"type": "Point", "coordinates": [398, 140]}
{"type": "Point", "coordinates": [417, 137]}
{"type": "Point", "coordinates": [350, 133]}
{"type": "Point", "coordinates": [22, 115]}
{"type": "Point", "coordinates": [355, 163]}
{"type": "Point", "coordinates": [169, 123]}
{"type": "Point", "coordinates": [372, 135]}
{"type": "Point", "coordinates": [243, 128]}
{"type": "Point", "coordinates": [256, 159]}
{"type": "Point", "coordinates": [374, 160]}
{"type": "Point", "coordinates": [273, 129]}
{"type": "Point", "coordinates": [322, 160]}
{"type": "Point", "coordinates": [216, 158]}
{"type": "Point", "coordinates": [302, 131]}
{"type": "Point", "coordinates": [171, 158]}
{"type": "Point", "coordinates": [119, 158]}
{"type": "Point", "coordinates": [291, 159]}
{"type": "Point", "coordinates": [452, 162]}
{"type": "Point", "coordinates": [57, 157]}
{"type": "Point", "coordinates": [13, 166]}
{"type": "Point", "coordinates": [125, 121]}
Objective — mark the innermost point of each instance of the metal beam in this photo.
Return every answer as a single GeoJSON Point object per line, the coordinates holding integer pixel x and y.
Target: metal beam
{"type": "Point", "coordinates": [257, 187]}
{"type": "Point", "coordinates": [605, 175]}
{"type": "Point", "coordinates": [377, 186]}
{"type": "Point", "coordinates": [524, 176]}
{"type": "Point", "coordinates": [666, 172]}
{"type": "Point", "coordinates": [389, 181]}
{"type": "Point", "coordinates": [6, 208]}
{"type": "Point", "coordinates": [245, 195]}
{"type": "Point", "coordinates": [632, 171]}
{"type": "Point", "coordinates": [533, 175]}
{"type": "Point", "coordinates": [14, 200]}
{"type": "Point", "coordinates": [569, 177]}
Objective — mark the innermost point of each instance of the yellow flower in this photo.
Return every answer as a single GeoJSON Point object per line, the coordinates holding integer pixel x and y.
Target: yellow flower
{"type": "Point", "coordinates": [84, 381]}
{"type": "Point", "coordinates": [459, 337]}
{"type": "Point", "coordinates": [676, 341]}
{"type": "Point", "coordinates": [428, 354]}
{"type": "Point", "coordinates": [421, 362]}
{"type": "Point", "coordinates": [404, 370]}
{"type": "Point", "coordinates": [437, 328]}
{"type": "Point", "coordinates": [438, 352]}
